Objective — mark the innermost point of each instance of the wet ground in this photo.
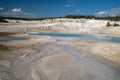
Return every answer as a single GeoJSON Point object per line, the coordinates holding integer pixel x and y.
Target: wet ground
{"type": "Point", "coordinates": [57, 60]}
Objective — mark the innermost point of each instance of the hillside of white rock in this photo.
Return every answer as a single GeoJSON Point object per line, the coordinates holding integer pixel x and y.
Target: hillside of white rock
{"type": "Point", "coordinates": [61, 25]}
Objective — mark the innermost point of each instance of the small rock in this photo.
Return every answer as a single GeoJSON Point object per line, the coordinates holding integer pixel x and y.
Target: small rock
{"type": "Point", "coordinates": [36, 75]}
{"type": "Point", "coordinates": [5, 63]}
{"type": "Point", "coordinates": [4, 76]}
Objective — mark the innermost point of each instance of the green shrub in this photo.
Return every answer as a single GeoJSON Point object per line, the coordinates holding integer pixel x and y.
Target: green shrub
{"type": "Point", "coordinates": [2, 20]}
{"type": "Point", "coordinates": [115, 24]}
{"type": "Point", "coordinates": [108, 24]}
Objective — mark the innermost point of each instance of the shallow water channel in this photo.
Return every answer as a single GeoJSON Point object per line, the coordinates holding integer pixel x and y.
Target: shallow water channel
{"type": "Point", "coordinates": [82, 36]}
{"type": "Point", "coordinates": [81, 68]}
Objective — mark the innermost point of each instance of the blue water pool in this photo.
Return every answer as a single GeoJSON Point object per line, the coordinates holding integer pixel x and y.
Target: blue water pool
{"type": "Point", "coordinates": [82, 36]}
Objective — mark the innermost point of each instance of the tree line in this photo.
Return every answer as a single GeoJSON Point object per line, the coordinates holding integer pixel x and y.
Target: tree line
{"type": "Point", "coordinates": [115, 18]}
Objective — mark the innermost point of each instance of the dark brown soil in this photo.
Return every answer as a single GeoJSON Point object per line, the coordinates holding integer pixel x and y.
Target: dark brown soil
{"type": "Point", "coordinates": [3, 48]}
